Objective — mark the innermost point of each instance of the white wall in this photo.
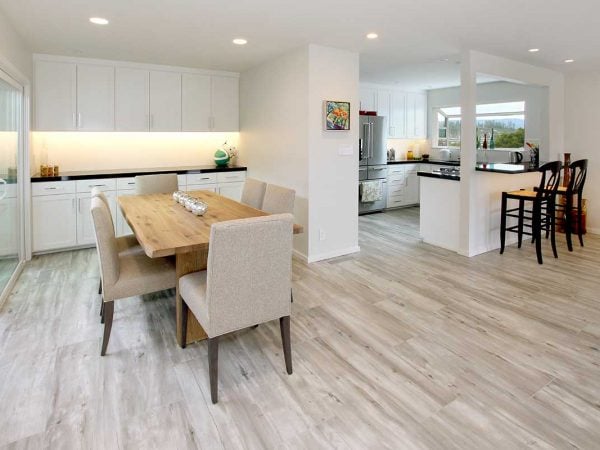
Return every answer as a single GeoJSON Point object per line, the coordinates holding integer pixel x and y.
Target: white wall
{"type": "Point", "coordinates": [535, 97]}
{"type": "Point", "coordinates": [274, 129]}
{"type": "Point", "coordinates": [582, 116]}
{"type": "Point", "coordinates": [15, 56]}
{"type": "Point", "coordinates": [333, 178]}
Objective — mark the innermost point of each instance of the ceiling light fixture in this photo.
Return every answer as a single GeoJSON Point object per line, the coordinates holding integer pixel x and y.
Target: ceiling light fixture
{"type": "Point", "coordinates": [372, 36]}
{"type": "Point", "coordinates": [98, 21]}
{"type": "Point", "coordinates": [534, 50]}
{"type": "Point", "coordinates": [569, 61]}
{"type": "Point", "coordinates": [240, 41]}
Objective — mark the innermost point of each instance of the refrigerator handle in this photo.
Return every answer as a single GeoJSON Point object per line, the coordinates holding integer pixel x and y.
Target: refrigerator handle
{"type": "Point", "coordinates": [371, 139]}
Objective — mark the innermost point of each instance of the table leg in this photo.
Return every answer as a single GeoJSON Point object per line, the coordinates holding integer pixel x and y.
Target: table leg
{"type": "Point", "coordinates": [186, 263]}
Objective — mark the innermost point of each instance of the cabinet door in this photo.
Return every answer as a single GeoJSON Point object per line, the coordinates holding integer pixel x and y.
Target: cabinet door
{"type": "Point", "coordinates": [132, 95]}
{"type": "Point", "coordinates": [410, 115]}
{"type": "Point", "coordinates": [85, 226]}
{"type": "Point", "coordinates": [412, 189]}
{"type": "Point", "coordinates": [9, 231]}
{"type": "Point", "coordinates": [165, 101]}
{"type": "Point", "coordinates": [195, 102]}
{"type": "Point", "coordinates": [225, 104]}
{"type": "Point", "coordinates": [121, 225]}
{"type": "Point", "coordinates": [55, 96]}
{"type": "Point", "coordinates": [421, 116]}
{"type": "Point", "coordinates": [398, 115]}
{"type": "Point", "coordinates": [54, 222]}
{"type": "Point", "coordinates": [231, 190]}
{"type": "Point", "coordinates": [384, 108]}
{"type": "Point", "coordinates": [203, 187]}
{"type": "Point", "coordinates": [368, 99]}
{"type": "Point", "coordinates": [95, 97]}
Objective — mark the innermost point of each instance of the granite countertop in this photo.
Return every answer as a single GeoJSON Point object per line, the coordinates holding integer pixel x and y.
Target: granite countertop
{"type": "Point", "coordinates": [509, 168]}
{"type": "Point", "coordinates": [123, 173]}
{"type": "Point", "coordinates": [427, 161]}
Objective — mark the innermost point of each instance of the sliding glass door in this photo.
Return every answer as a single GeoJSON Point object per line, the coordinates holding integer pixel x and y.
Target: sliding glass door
{"type": "Point", "coordinates": [11, 99]}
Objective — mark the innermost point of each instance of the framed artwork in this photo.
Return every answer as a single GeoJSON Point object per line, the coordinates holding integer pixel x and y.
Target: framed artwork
{"type": "Point", "coordinates": [337, 115]}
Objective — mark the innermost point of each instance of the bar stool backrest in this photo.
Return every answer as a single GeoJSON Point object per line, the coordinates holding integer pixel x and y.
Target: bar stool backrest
{"type": "Point", "coordinates": [550, 180]}
{"type": "Point", "coordinates": [578, 174]}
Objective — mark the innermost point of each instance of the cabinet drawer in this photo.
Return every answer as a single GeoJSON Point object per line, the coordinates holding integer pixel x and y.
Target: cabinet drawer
{"type": "Point", "coordinates": [411, 168]}
{"type": "Point", "coordinates": [202, 187]}
{"type": "Point", "coordinates": [201, 178]}
{"type": "Point", "coordinates": [181, 181]}
{"type": "Point", "coordinates": [52, 188]}
{"type": "Point", "coordinates": [125, 184]}
{"type": "Point", "coordinates": [104, 184]}
{"type": "Point", "coordinates": [396, 190]}
{"type": "Point", "coordinates": [230, 177]}
{"type": "Point", "coordinates": [395, 170]}
{"type": "Point", "coordinates": [395, 203]}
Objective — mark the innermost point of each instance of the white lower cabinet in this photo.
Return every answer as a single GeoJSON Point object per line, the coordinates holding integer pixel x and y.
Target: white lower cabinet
{"type": "Point", "coordinates": [54, 220]}
{"type": "Point", "coordinates": [9, 237]}
{"type": "Point", "coordinates": [403, 185]}
{"type": "Point", "coordinates": [61, 215]}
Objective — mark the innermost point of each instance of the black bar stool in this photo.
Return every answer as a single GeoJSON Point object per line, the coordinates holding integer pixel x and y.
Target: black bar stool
{"type": "Point", "coordinates": [543, 215]}
{"type": "Point", "coordinates": [578, 174]}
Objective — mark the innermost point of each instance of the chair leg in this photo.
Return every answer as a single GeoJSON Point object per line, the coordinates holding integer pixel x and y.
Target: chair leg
{"type": "Point", "coordinates": [537, 232]}
{"type": "Point", "coordinates": [183, 323]}
{"type": "Point", "coordinates": [109, 309]}
{"type": "Point", "coordinates": [553, 228]}
{"type": "Point", "coordinates": [503, 223]}
{"type": "Point", "coordinates": [213, 367]}
{"type": "Point", "coordinates": [284, 324]}
{"type": "Point", "coordinates": [569, 223]}
{"type": "Point", "coordinates": [580, 219]}
{"type": "Point", "coordinates": [100, 287]}
{"type": "Point", "coordinates": [521, 219]}
{"type": "Point", "coordinates": [101, 310]}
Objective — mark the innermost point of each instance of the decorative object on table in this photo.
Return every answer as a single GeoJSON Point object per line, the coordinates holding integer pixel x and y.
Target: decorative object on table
{"type": "Point", "coordinates": [492, 143]}
{"type": "Point", "coordinates": [194, 205]}
{"type": "Point", "coordinates": [225, 155]}
{"type": "Point", "coordinates": [391, 155]}
{"type": "Point", "coordinates": [425, 156]}
{"type": "Point", "coordinates": [534, 153]}
{"type": "Point", "coordinates": [337, 115]}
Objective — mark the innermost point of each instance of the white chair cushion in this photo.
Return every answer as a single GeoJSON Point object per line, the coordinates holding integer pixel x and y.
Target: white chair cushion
{"type": "Point", "coordinates": [192, 288]}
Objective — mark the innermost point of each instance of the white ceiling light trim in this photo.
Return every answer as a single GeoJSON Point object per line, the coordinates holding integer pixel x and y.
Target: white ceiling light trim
{"type": "Point", "coordinates": [372, 36]}
{"type": "Point", "coordinates": [569, 61]}
{"type": "Point", "coordinates": [99, 20]}
{"type": "Point", "coordinates": [240, 41]}
{"type": "Point", "coordinates": [534, 50]}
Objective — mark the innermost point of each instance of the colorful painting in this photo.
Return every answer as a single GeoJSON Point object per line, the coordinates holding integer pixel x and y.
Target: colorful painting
{"type": "Point", "coordinates": [337, 115]}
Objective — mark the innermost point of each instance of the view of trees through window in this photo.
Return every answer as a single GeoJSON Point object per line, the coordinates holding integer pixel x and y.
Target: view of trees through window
{"type": "Point", "coordinates": [507, 120]}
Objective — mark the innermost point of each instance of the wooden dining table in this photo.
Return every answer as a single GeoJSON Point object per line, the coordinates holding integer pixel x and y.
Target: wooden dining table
{"type": "Point", "coordinates": [165, 228]}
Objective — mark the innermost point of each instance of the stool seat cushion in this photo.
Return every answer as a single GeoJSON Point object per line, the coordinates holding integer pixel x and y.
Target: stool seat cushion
{"type": "Point", "coordinates": [527, 194]}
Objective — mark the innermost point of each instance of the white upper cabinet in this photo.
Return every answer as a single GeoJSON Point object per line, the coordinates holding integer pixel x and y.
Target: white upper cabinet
{"type": "Point", "coordinates": [368, 99]}
{"type": "Point", "coordinates": [225, 104]}
{"type": "Point", "coordinates": [165, 101]}
{"type": "Point", "coordinates": [398, 115]}
{"type": "Point", "coordinates": [55, 96]}
{"type": "Point", "coordinates": [95, 97]}
{"type": "Point", "coordinates": [196, 102]}
{"type": "Point", "coordinates": [132, 104]}
{"type": "Point", "coordinates": [416, 115]}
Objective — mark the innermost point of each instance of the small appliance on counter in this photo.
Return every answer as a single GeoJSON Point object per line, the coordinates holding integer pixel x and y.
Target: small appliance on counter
{"type": "Point", "coordinates": [372, 170]}
{"type": "Point", "coordinates": [391, 154]}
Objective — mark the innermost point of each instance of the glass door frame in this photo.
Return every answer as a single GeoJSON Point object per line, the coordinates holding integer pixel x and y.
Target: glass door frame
{"type": "Point", "coordinates": [23, 187]}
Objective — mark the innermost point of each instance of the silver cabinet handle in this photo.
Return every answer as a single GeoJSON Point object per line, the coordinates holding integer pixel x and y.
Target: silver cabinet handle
{"type": "Point", "coordinates": [96, 185]}
{"type": "Point", "coordinates": [49, 188]}
{"type": "Point", "coordinates": [79, 120]}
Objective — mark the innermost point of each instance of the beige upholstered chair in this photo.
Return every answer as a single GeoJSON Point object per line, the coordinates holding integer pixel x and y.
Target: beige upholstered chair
{"type": "Point", "coordinates": [164, 183]}
{"type": "Point", "coordinates": [125, 244]}
{"type": "Point", "coordinates": [278, 200]}
{"type": "Point", "coordinates": [253, 193]}
{"type": "Point", "coordinates": [247, 282]}
{"type": "Point", "coordinates": [124, 275]}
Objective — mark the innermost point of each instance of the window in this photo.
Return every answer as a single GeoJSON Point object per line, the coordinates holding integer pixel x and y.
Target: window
{"type": "Point", "coordinates": [507, 120]}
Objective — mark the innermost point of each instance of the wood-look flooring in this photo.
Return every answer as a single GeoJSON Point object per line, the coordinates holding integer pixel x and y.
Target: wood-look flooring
{"type": "Point", "coordinates": [403, 345]}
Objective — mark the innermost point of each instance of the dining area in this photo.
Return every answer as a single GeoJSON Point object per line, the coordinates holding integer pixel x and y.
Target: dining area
{"type": "Point", "coordinates": [230, 264]}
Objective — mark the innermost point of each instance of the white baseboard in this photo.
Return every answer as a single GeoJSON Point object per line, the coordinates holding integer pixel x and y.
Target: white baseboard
{"type": "Point", "coordinates": [333, 254]}
{"type": "Point", "coordinates": [11, 283]}
{"type": "Point", "coordinates": [298, 254]}
{"type": "Point", "coordinates": [593, 230]}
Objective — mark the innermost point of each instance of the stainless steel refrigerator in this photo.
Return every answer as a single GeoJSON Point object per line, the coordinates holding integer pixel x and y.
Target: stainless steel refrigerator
{"type": "Point", "coordinates": [372, 160]}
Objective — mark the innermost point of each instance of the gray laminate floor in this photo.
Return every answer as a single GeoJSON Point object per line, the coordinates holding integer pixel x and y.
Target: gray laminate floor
{"type": "Point", "coordinates": [401, 346]}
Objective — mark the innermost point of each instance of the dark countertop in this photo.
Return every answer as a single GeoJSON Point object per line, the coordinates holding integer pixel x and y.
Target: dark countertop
{"type": "Point", "coordinates": [509, 168]}
{"type": "Point", "coordinates": [439, 175]}
{"type": "Point", "coordinates": [426, 161]}
{"type": "Point", "coordinates": [123, 173]}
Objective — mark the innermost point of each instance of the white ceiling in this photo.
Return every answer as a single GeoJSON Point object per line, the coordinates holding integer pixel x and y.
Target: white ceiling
{"type": "Point", "coordinates": [414, 35]}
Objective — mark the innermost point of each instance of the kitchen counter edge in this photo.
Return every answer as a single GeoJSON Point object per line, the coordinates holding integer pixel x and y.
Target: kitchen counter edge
{"type": "Point", "coordinates": [125, 173]}
{"type": "Point", "coordinates": [425, 161]}
{"type": "Point", "coordinates": [439, 175]}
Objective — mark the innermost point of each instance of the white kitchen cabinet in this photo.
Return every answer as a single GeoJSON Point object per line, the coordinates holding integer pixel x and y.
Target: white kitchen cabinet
{"type": "Point", "coordinates": [416, 116]}
{"type": "Point", "coordinates": [132, 99]}
{"type": "Point", "coordinates": [398, 115]}
{"type": "Point", "coordinates": [368, 99]}
{"type": "Point", "coordinates": [165, 101]}
{"type": "Point", "coordinates": [54, 221]}
{"type": "Point", "coordinates": [196, 114]}
{"type": "Point", "coordinates": [232, 190]}
{"type": "Point", "coordinates": [121, 225]}
{"type": "Point", "coordinates": [85, 225]}
{"type": "Point", "coordinates": [225, 104]}
{"type": "Point", "coordinates": [384, 108]}
{"type": "Point", "coordinates": [95, 97]}
{"type": "Point", "coordinates": [403, 185]}
{"type": "Point", "coordinates": [9, 236]}
{"type": "Point", "coordinates": [55, 96]}
{"type": "Point", "coordinates": [202, 187]}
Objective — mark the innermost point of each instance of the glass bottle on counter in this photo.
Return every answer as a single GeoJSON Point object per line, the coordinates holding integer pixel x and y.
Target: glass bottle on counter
{"type": "Point", "coordinates": [485, 141]}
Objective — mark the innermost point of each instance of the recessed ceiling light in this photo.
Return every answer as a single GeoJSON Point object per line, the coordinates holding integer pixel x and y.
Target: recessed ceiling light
{"type": "Point", "coordinates": [534, 50]}
{"type": "Point", "coordinates": [372, 36]}
{"type": "Point", "coordinates": [98, 20]}
{"type": "Point", "coordinates": [569, 61]}
{"type": "Point", "coordinates": [240, 41]}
